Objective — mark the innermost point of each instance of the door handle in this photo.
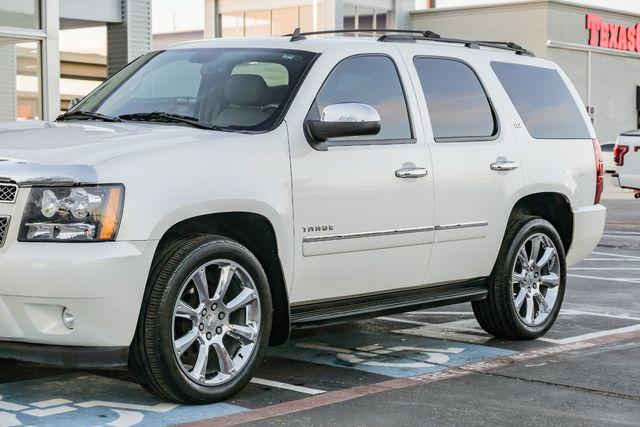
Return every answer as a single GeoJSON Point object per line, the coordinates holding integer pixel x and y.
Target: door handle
{"type": "Point", "coordinates": [411, 173]}
{"type": "Point", "coordinates": [504, 165]}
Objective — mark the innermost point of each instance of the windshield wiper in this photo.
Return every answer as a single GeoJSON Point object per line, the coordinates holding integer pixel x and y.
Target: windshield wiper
{"type": "Point", "coordinates": [87, 115]}
{"type": "Point", "coordinates": [159, 116]}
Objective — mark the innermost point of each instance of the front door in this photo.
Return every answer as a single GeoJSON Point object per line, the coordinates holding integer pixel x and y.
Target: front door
{"type": "Point", "coordinates": [359, 227]}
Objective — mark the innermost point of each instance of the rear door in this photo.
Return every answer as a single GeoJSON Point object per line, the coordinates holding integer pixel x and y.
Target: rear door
{"type": "Point", "coordinates": [359, 227]}
{"type": "Point", "coordinates": [475, 159]}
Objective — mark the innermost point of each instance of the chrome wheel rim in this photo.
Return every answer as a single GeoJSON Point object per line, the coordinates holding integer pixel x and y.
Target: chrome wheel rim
{"type": "Point", "coordinates": [216, 322]}
{"type": "Point", "coordinates": [536, 279]}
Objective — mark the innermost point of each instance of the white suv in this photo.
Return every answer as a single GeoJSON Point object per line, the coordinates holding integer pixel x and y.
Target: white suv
{"type": "Point", "coordinates": [209, 197]}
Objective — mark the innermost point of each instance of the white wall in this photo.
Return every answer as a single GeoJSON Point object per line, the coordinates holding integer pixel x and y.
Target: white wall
{"type": "Point", "coordinates": [625, 5]}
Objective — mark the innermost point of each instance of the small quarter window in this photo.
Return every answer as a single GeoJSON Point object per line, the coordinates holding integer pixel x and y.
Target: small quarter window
{"type": "Point", "coordinates": [458, 105]}
{"type": "Point", "coordinates": [371, 80]}
{"type": "Point", "coordinates": [542, 100]}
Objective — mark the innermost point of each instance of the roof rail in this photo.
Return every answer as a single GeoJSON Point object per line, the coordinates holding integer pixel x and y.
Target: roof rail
{"type": "Point", "coordinates": [298, 35]}
{"type": "Point", "coordinates": [414, 35]}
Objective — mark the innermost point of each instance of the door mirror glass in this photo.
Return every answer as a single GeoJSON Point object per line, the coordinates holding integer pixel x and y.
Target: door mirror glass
{"type": "Point", "coordinates": [344, 120]}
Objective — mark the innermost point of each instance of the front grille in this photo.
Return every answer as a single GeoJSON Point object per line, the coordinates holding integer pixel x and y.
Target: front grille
{"type": "Point", "coordinates": [8, 193]}
{"type": "Point", "coordinates": [4, 229]}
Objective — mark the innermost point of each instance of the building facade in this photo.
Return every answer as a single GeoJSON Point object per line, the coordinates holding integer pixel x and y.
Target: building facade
{"type": "Point", "coordinates": [246, 18]}
{"type": "Point", "coordinates": [598, 48]}
{"type": "Point", "coordinates": [32, 67]}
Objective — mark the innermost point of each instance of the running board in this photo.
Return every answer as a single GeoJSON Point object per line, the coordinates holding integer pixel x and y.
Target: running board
{"type": "Point", "coordinates": [342, 310]}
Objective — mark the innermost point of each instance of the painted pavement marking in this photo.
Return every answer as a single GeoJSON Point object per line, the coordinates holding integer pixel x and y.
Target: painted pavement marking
{"type": "Point", "coordinates": [592, 335]}
{"type": "Point", "coordinates": [50, 403]}
{"type": "Point", "coordinates": [634, 280]}
{"type": "Point", "coordinates": [88, 400]}
{"type": "Point", "coordinates": [396, 355]}
{"type": "Point", "coordinates": [471, 368]}
{"type": "Point", "coordinates": [616, 255]}
{"type": "Point", "coordinates": [285, 386]}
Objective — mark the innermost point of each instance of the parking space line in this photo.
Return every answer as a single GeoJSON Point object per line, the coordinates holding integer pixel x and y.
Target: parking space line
{"type": "Point", "coordinates": [607, 268]}
{"type": "Point", "coordinates": [285, 386]}
{"type": "Point", "coordinates": [612, 259]}
{"type": "Point", "coordinates": [635, 280]}
{"type": "Point", "coordinates": [592, 335]}
{"type": "Point", "coordinates": [616, 255]}
{"type": "Point", "coordinates": [621, 236]}
{"type": "Point", "coordinates": [340, 396]}
{"type": "Point", "coordinates": [592, 313]}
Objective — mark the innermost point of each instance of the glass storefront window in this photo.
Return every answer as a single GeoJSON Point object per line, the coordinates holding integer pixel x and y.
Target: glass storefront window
{"type": "Point", "coordinates": [232, 24]}
{"type": "Point", "coordinates": [283, 21]}
{"type": "Point", "coordinates": [20, 13]}
{"type": "Point", "coordinates": [20, 80]}
{"type": "Point", "coordinates": [257, 23]}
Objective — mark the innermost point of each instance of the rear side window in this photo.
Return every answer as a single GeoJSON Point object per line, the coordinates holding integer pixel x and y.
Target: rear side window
{"type": "Point", "coordinates": [543, 101]}
{"type": "Point", "coordinates": [458, 105]}
{"type": "Point", "coordinates": [371, 80]}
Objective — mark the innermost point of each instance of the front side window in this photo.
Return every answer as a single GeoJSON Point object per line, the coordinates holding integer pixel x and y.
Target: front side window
{"type": "Point", "coordinates": [458, 105]}
{"type": "Point", "coordinates": [234, 89]}
{"type": "Point", "coordinates": [371, 80]}
{"type": "Point", "coordinates": [542, 100]}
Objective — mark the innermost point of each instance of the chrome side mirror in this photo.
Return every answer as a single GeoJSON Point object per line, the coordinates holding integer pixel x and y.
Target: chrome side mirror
{"type": "Point", "coordinates": [344, 120]}
{"type": "Point", "coordinates": [74, 102]}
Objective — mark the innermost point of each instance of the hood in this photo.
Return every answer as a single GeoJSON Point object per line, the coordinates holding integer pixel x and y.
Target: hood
{"type": "Point", "coordinates": [91, 142]}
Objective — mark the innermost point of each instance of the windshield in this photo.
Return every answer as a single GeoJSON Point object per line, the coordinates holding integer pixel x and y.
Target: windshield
{"type": "Point", "coordinates": [236, 89]}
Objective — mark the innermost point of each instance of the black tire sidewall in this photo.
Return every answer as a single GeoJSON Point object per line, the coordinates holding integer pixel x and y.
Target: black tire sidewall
{"type": "Point", "coordinates": [209, 251]}
{"type": "Point", "coordinates": [528, 229]}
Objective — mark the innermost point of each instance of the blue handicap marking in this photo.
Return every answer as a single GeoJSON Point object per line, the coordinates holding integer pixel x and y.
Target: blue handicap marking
{"type": "Point", "coordinates": [392, 355]}
{"type": "Point", "coordinates": [92, 400]}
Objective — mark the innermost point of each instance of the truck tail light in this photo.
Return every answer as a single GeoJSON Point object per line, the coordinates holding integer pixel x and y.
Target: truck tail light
{"type": "Point", "coordinates": [599, 172]}
{"type": "Point", "coordinates": [618, 154]}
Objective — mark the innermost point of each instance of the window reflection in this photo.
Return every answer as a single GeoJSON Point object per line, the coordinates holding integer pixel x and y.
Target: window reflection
{"type": "Point", "coordinates": [22, 14]}
{"type": "Point", "coordinates": [20, 80]}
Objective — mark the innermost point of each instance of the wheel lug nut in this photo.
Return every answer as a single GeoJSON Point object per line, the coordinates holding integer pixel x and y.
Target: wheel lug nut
{"type": "Point", "coordinates": [221, 316]}
{"type": "Point", "coordinates": [201, 327]}
{"type": "Point", "coordinates": [204, 312]}
{"type": "Point", "coordinates": [214, 306]}
{"type": "Point", "coordinates": [209, 335]}
{"type": "Point", "coordinates": [218, 330]}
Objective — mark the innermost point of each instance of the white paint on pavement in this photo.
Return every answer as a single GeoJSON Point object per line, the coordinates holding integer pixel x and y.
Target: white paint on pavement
{"type": "Point", "coordinates": [9, 420]}
{"type": "Point", "coordinates": [50, 403]}
{"type": "Point", "coordinates": [49, 411]}
{"type": "Point", "coordinates": [635, 280]}
{"type": "Point", "coordinates": [126, 418]}
{"type": "Point", "coordinates": [160, 407]}
{"type": "Point", "coordinates": [285, 386]}
{"type": "Point", "coordinates": [592, 335]}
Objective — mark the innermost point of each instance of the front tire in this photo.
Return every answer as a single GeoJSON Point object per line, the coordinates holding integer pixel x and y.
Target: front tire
{"type": "Point", "coordinates": [205, 321]}
{"type": "Point", "coordinates": [527, 285]}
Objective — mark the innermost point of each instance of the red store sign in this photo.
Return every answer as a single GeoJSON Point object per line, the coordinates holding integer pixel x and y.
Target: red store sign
{"type": "Point", "coordinates": [613, 36]}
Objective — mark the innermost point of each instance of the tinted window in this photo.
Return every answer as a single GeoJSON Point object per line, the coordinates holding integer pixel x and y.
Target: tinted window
{"type": "Point", "coordinates": [543, 101]}
{"type": "Point", "coordinates": [371, 80]}
{"type": "Point", "coordinates": [458, 105]}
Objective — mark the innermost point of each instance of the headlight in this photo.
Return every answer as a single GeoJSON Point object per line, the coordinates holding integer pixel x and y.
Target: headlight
{"type": "Point", "coordinates": [83, 214]}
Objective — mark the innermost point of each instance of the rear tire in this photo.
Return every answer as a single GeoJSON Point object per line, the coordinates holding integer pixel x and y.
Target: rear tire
{"type": "Point", "coordinates": [527, 286]}
{"type": "Point", "coordinates": [205, 321]}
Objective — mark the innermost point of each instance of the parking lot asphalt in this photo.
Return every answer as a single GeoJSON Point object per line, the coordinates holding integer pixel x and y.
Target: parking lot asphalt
{"type": "Point", "coordinates": [424, 367]}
